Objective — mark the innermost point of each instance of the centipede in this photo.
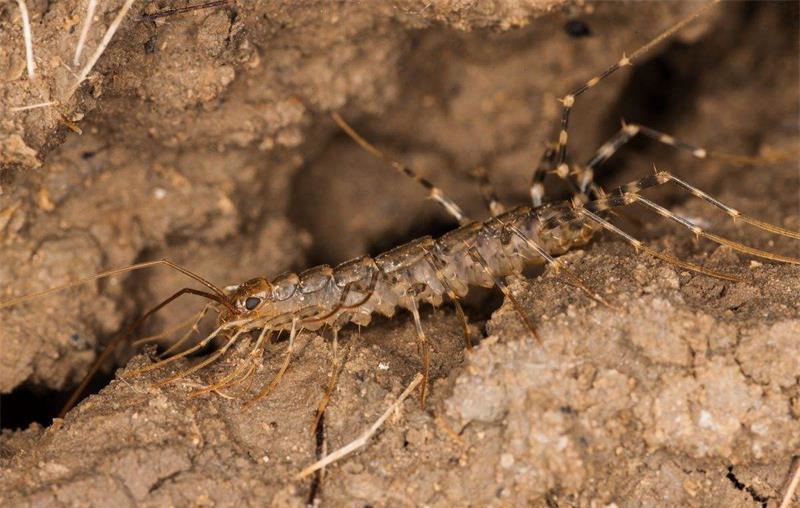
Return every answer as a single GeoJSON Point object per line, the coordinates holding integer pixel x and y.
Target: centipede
{"type": "Point", "coordinates": [436, 271]}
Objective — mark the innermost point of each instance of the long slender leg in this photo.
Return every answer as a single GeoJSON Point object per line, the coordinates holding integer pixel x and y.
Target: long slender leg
{"type": "Point", "coordinates": [734, 214]}
{"type": "Point", "coordinates": [436, 264]}
{"type": "Point", "coordinates": [624, 135]}
{"type": "Point", "coordinates": [477, 257]}
{"type": "Point", "coordinates": [493, 203]}
{"type": "Point", "coordinates": [235, 376]}
{"type": "Point", "coordinates": [568, 102]}
{"type": "Point", "coordinates": [424, 349]}
{"type": "Point", "coordinates": [197, 347]}
{"type": "Point", "coordinates": [545, 166]}
{"type": "Point", "coordinates": [192, 323]}
{"type": "Point", "coordinates": [338, 364]}
{"type": "Point", "coordinates": [572, 278]}
{"type": "Point", "coordinates": [639, 246]}
{"type": "Point", "coordinates": [434, 192]}
{"type": "Point", "coordinates": [275, 380]}
{"type": "Point", "coordinates": [186, 336]}
{"type": "Point", "coordinates": [625, 195]}
{"type": "Point", "coordinates": [116, 341]}
{"type": "Point", "coordinates": [208, 361]}
{"type": "Point", "coordinates": [628, 194]}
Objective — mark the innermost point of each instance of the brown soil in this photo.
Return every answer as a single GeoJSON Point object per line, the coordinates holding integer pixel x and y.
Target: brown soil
{"type": "Point", "coordinates": [205, 139]}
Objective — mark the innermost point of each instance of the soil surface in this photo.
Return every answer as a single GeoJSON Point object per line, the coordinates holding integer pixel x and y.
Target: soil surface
{"type": "Point", "coordinates": [204, 137]}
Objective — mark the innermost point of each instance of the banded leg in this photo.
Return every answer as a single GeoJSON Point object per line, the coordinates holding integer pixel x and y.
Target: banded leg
{"type": "Point", "coordinates": [488, 193]}
{"type": "Point", "coordinates": [545, 166]}
{"type": "Point", "coordinates": [434, 192]}
{"type": "Point", "coordinates": [624, 135]}
{"type": "Point", "coordinates": [628, 194]}
{"type": "Point", "coordinates": [568, 101]}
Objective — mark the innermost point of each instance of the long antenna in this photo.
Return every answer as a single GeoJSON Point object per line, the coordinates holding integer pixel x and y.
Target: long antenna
{"type": "Point", "coordinates": [223, 299]}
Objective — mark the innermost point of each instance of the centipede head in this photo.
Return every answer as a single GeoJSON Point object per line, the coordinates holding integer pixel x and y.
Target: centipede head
{"type": "Point", "coordinates": [247, 299]}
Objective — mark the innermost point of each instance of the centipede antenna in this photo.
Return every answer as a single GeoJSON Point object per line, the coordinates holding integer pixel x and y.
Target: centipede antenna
{"type": "Point", "coordinates": [434, 193]}
{"type": "Point", "coordinates": [219, 296]}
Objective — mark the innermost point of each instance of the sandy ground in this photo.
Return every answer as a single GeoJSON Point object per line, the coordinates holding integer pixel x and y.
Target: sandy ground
{"type": "Point", "coordinates": [205, 139]}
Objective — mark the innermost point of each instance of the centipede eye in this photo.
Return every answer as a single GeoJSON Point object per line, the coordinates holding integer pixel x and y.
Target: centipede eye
{"type": "Point", "coordinates": [251, 303]}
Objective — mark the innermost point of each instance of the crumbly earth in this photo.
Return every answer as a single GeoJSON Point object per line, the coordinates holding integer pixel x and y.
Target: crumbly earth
{"type": "Point", "coordinates": [205, 140]}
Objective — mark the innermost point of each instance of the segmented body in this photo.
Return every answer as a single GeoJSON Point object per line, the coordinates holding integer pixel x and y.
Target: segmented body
{"type": "Point", "coordinates": [426, 270]}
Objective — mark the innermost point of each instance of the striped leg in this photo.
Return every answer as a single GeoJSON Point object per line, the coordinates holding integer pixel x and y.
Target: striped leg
{"type": "Point", "coordinates": [545, 166]}
{"type": "Point", "coordinates": [488, 193]}
{"type": "Point", "coordinates": [625, 134]}
{"type": "Point", "coordinates": [434, 192]}
{"type": "Point", "coordinates": [568, 102]}
{"type": "Point", "coordinates": [630, 193]}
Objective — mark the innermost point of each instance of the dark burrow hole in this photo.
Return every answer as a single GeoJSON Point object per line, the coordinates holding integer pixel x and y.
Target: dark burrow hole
{"type": "Point", "coordinates": [27, 405]}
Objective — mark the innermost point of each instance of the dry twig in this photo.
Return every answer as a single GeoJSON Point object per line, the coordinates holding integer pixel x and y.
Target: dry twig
{"type": "Point", "coordinates": [87, 23]}
{"type": "Point", "coordinates": [363, 438]}
{"type": "Point", "coordinates": [102, 47]}
{"type": "Point", "coordinates": [790, 490]}
{"type": "Point", "coordinates": [26, 33]}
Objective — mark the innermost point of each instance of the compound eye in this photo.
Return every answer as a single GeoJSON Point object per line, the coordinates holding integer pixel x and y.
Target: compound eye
{"type": "Point", "coordinates": [251, 303]}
